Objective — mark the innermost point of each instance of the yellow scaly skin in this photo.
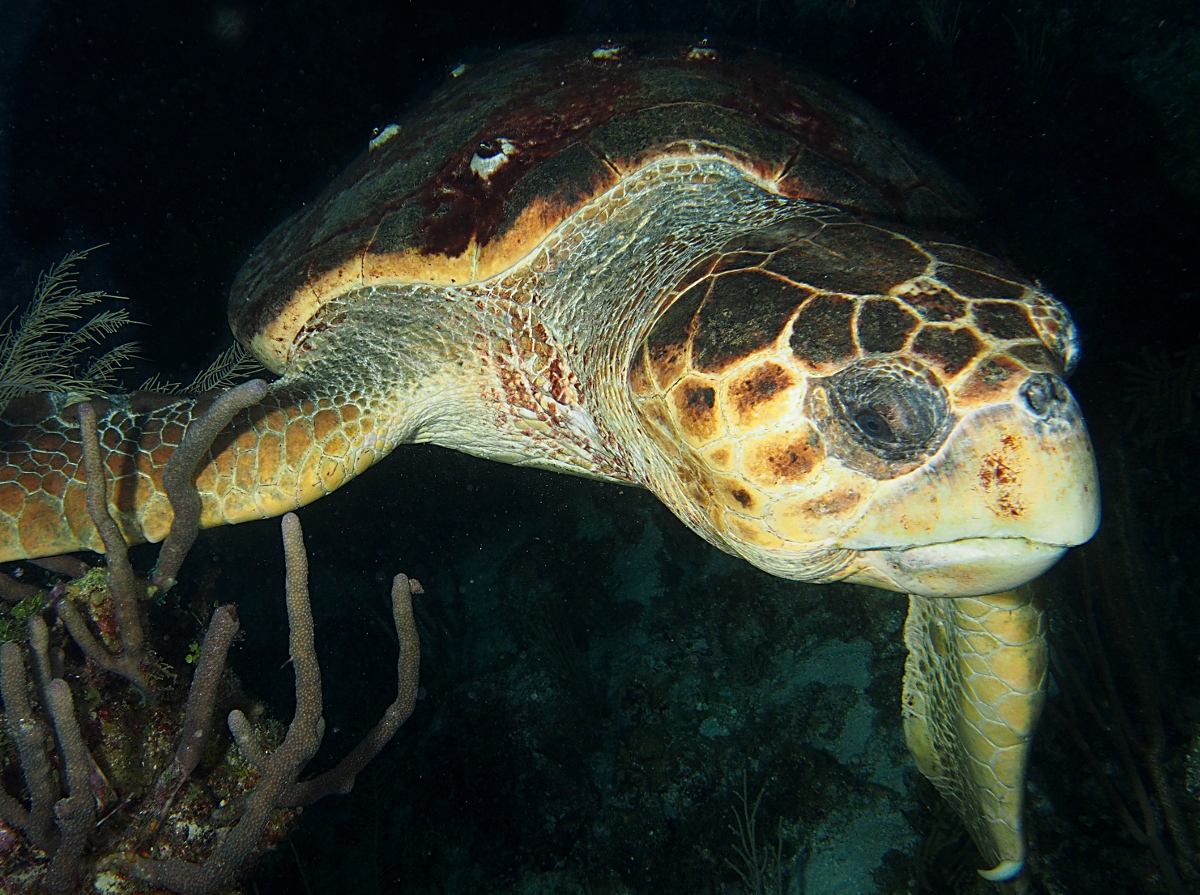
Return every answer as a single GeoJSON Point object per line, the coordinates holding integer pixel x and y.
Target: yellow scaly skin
{"type": "Point", "coordinates": [974, 685]}
{"type": "Point", "coordinates": [287, 451]}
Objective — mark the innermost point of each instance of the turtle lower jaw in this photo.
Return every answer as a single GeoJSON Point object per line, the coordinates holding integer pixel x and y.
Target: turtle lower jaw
{"type": "Point", "coordinates": [966, 568]}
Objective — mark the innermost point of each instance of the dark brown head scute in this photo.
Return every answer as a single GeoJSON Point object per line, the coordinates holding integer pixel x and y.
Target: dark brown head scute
{"type": "Point", "coordinates": [667, 342]}
{"type": "Point", "coordinates": [992, 379]}
{"type": "Point", "coordinates": [745, 312]}
{"type": "Point", "coordinates": [973, 284]}
{"type": "Point", "coordinates": [1004, 320]}
{"type": "Point", "coordinates": [1037, 358]}
{"type": "Point", "coordinates": [884, 325]}
{"type": "Point", "coordinates": [973, 259]}
{"type": "Point", "coordinates": [950, 350]}
{"type": "Point", "coordinates": [934, 302]}
{"type": "Point", "coordinates": [853, 258]}
{"type": "Point", "coordinates": [822, 331]}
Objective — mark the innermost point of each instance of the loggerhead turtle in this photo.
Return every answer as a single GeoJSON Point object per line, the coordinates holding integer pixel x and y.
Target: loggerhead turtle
{"type": "Point", "coordinates": [691, 269]}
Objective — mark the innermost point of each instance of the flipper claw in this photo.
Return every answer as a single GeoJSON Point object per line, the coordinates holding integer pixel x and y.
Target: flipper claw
{"type": "Point", "coordinates": [1003, 871]}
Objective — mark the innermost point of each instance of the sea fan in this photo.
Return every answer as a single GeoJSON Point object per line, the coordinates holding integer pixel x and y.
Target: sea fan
{"type": "Point", "coordinates": [1163, 394]}
{"type": "Point", "coordinates": [53, 345]}
{"type": "Point", "coordinates": [228, 368]}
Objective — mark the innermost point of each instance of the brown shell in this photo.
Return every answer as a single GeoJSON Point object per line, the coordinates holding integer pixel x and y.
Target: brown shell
{"type": "Point", "coordinates": [477, 175]}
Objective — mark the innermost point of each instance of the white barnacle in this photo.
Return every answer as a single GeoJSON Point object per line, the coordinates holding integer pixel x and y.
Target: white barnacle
{"type": "Point", "coordinates": [491, 156]}
{"type": "Point", "coordinates": [382, 136]}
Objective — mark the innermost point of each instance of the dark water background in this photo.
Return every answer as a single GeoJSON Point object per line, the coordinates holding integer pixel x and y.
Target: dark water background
{"type": "Point", "coordinates": [597, 679]}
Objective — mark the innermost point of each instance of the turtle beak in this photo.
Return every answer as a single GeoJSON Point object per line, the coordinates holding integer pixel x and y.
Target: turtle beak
{"type": "Point", "coordinates": [971, 567]}
{"type": "Point", "coordinates": [1013, 487]}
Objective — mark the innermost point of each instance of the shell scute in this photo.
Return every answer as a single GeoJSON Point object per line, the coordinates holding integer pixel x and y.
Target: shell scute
{"type": "Point", "coordinates": [696, 128]}
{"type": "Point", "coordinates": [395, 234]}
{"type": "Point", "coordinates": [475, 179]}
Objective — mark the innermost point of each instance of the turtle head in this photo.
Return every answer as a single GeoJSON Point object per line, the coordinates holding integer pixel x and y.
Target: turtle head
{"type": "Point", "coordinates": [837, 400]}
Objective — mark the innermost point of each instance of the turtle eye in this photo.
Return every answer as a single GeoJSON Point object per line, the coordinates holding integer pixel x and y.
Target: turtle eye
{"type": "Point", "coordinates": [872, 424]}
{"type": "Point", "coordinates": [884, 417]}
{"type": "Point", "coordinates": [894, 417]}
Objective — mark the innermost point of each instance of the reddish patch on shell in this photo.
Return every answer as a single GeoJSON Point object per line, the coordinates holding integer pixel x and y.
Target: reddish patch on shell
{"type": "Point", "coordinates": [462, 206]}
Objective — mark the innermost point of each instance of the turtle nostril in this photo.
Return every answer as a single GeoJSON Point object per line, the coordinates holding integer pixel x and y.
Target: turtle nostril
{"type": "Point", "coordinates": [1045, 395]}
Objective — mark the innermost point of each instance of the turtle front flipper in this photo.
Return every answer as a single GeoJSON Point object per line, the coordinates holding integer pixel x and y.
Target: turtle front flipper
{"type": "Point", "coordinates": [974, 685]}
{"type": "Point", "coordinates": [298, 444]}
